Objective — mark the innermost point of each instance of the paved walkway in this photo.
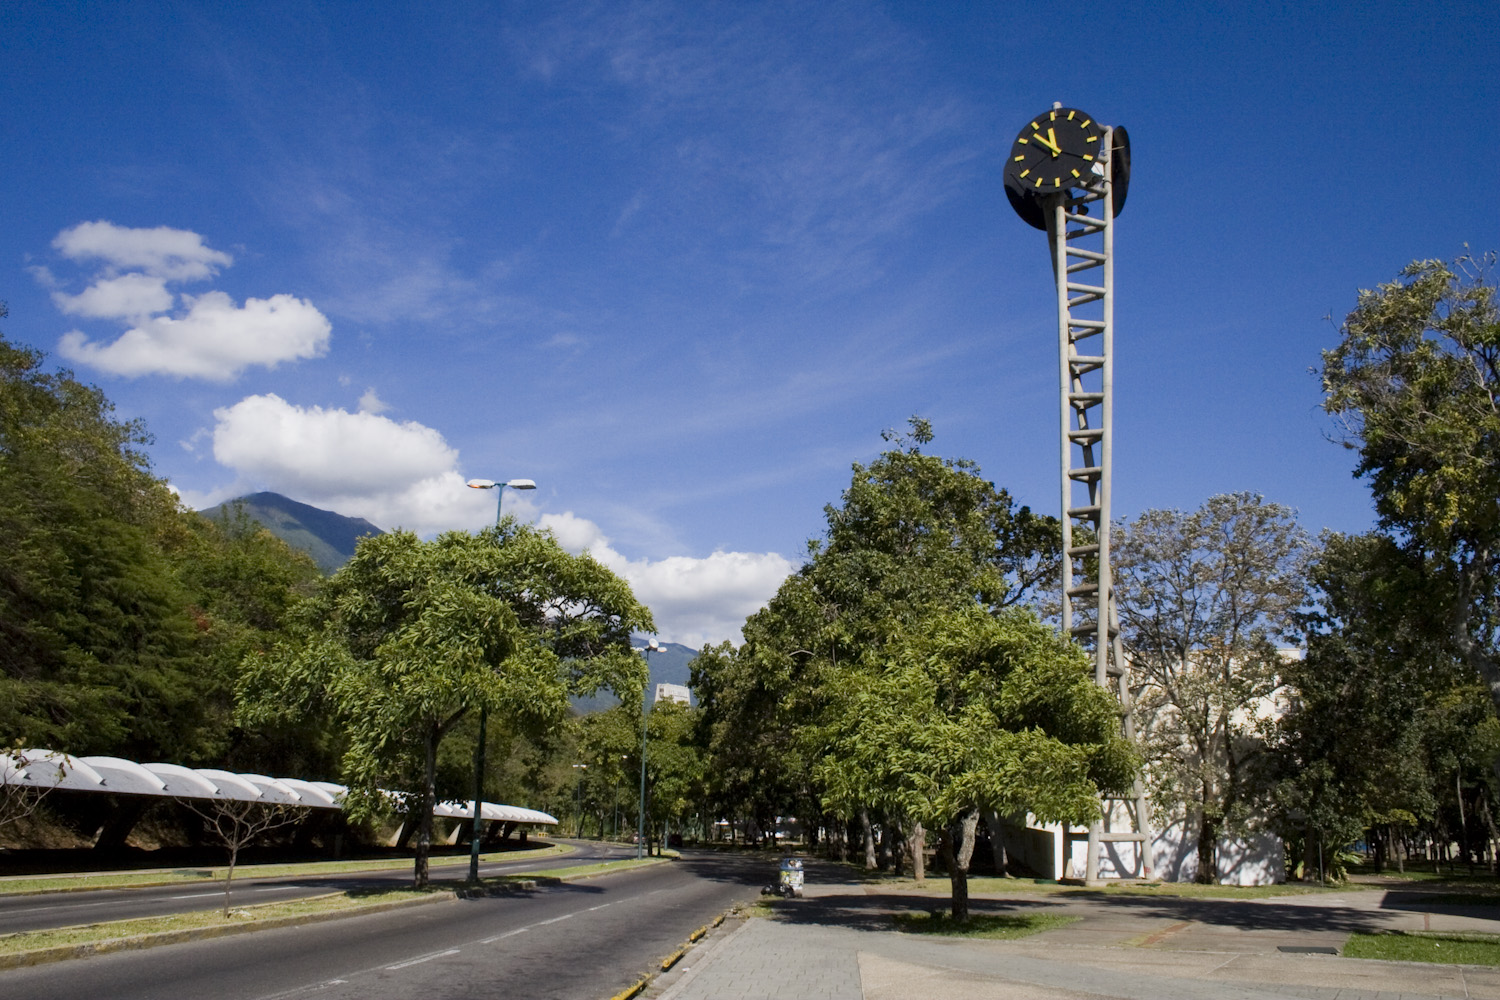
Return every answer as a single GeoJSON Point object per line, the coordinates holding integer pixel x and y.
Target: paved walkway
{"type": "Point", "coordinates": [837, 944]}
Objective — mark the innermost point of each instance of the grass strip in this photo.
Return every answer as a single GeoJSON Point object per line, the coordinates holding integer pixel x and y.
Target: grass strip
{"type": "Point", "coordinates": [54, 943]}
{"type": "Point", "coordinates": [981, 925]}
{"type": "Point", "coordinates": [24, 884]}
{"type": "Point", "coordinates": [1176, 890]}
{"type": "Point", "coordinates": [1446, 949]}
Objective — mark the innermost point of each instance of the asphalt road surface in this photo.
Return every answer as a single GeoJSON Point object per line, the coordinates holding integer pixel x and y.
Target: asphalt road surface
{"type": "Point", "coordinates": [41, 911]}
{"type": "Point", "coordinates": [578, 941]}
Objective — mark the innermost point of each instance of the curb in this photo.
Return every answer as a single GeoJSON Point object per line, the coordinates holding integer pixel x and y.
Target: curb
{"type": "Point", "coordinates": [140, 942]}
{"type": "Point", "coordinates": [671, 960]}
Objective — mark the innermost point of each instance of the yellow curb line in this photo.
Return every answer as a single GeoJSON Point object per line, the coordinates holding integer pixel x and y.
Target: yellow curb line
{"type": "Point", "coordinates": [626, 994]}
{"type": "Point", "coordinates": [672, 959]}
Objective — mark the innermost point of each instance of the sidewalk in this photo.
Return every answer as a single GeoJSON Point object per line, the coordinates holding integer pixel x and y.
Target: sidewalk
{"type": "Point", "coordinates": [837, 944]}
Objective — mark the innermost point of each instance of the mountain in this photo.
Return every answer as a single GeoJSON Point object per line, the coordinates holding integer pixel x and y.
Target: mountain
{"type": "Point", "coordinates": [673, 665]}
{"type": "Point", "coordinates": [328, 537]}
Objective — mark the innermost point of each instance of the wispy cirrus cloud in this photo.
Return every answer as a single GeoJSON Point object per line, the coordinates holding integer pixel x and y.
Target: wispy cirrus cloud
{"type": "Point", "coordinates": [805, 163]}
{"type": "Point", "coordinates": [208, 336]}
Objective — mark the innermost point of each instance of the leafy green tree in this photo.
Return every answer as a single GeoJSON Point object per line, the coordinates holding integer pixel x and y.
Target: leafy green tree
{"type": "Point", "coordinates": [98, 650]}
{"type": "Point", "coordinates": [1414, 379]}
{"type": "Point", "coordinates": [916, 535]}
{"type": "Point", "coordinates": [967, 711]}
{"type": "Point", "coordinates": [1348, 753]}
{"type": "Point", "coordinates": [674, 768]}
{"type": "Point", "coordinates": [1204, 597]}
{"type": "Point", "coordinates": [409, 637]}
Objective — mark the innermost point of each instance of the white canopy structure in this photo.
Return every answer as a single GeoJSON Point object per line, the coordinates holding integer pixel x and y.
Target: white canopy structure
{"type": "Point", "coordinates": [49, 769]}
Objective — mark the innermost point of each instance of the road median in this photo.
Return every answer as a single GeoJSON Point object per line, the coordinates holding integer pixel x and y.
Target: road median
{"type": "Point", "coordinates": [27, 948]}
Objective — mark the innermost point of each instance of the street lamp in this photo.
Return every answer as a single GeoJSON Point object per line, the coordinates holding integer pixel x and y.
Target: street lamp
{"type": "Point", "coordinates": [580, 798]}
{"type": "Point", "coordinates": [474, 834]}
{"type": "Point", "coordinates": [640, 833]}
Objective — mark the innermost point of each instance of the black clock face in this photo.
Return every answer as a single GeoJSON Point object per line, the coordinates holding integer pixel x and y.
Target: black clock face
{"type": "Point", "coordinates": [1057, 150]}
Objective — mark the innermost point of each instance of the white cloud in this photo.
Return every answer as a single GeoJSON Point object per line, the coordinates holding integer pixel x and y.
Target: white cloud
{"type": "Point", "coordinates": [318, 452]}
{"type": "Point", "coordinates": [172, 254]}
{"type": "Point", "coordinates": [371, 403]}
{"type": "Point", "coordinates": [406, 475]}
{"type": "Point", "coordinates": [694, 600]}
{"type": "Point", "coordinates": [395, 475]}
{"type": "Point", "coordinates": [131, 296]}
{"type": "Point", "coordinates": [214, 339]}
{"type": "Point", "coordinates": [210, 337]}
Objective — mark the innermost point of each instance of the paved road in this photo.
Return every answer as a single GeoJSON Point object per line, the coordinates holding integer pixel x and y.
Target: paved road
{"type": "Point", "coordinates": [38, 912]}
{"type": "Point", "coordinates": [581, 940]}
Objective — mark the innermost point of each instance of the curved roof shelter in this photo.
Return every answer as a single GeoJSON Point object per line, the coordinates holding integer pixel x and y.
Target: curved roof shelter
{"type": "Point", "coordinates": [50, 769]}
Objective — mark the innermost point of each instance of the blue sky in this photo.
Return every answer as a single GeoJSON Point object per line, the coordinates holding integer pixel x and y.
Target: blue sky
{"type": "Point", "coordinates": [682, 263]}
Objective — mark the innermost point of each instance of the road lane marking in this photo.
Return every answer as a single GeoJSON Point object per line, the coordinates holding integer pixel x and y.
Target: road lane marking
{"type": "Point", "coordinates": [507, 934]}
{"type": "Point", "coordinates": [419, 961]}
{"type": "Point", "coordinates": [601, 906]}
{"type": "Point", "coordinates": [200, 895]}
{"type": "Point", "coordinates": [554, 920]}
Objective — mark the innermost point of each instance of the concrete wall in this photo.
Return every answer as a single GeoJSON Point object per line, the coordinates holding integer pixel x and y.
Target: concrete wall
{"type": "Point", "coordinates": [1255, 859]}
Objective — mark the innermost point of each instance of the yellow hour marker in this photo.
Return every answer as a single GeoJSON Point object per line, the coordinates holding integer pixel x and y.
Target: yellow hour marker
{"type": "Point", "coordinates": [1087, 156]}
{"type": "Point", "coordinates": [1026, 171]}
{"type": "Point", "coordinates": [1093, 138]}
{"type": "Point", "coordinates": [1071, 114]}
{"type": "Point", "coordinates": [1075, 173]}
{"type": "Point", "coordinates": [1024, 142]}
{"type": "Point", "coordinates": [1057, 182]}
{"type": "Point", "coordinates": [1086, 123]}
{"type": "Point", "coordinates": [1035, 127]}
{"type": "Point", "coordinates": [1018, 159]}
{"type": "Point", "coordinates": [1052, 117]}
{"type": "Point", "coordinates": [1038, 182]}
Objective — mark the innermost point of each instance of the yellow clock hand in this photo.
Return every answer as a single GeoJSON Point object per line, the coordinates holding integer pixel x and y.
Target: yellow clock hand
{"type": "Point", "coordinates": [1050, 142]}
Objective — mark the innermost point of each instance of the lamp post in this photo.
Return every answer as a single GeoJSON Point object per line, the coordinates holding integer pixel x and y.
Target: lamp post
{"type": "Point", "coordinates": [640, 833]}
{"type": "Point", "coordinates": [580, 798]}
{"type": "Point", "coordinates": [474, 834]}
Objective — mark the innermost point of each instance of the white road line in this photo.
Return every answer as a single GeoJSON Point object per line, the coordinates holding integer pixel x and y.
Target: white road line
{"type": "Point", "coordinates": [554, 920]}
{"type": "Point", "coordinates": [507, 934]}
{"type": "Point", "coordinates": [601, 906]}
{"type": "Point", "coordinates": [419, 961]}
{"type": "Point", "coordinates": [199, 895]}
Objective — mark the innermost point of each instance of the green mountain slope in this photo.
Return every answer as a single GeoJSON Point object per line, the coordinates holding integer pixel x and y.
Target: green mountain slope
{"type": "Point", "coordinates": [326, 536]}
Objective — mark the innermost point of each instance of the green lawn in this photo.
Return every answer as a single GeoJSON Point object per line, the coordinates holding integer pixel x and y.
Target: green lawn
{"type": "Point", "coordinates": [21, 884]}
{"type": "Point", "coordinates": [1450, 949]}
{"type": "Point", "coordinates": [992, 926]}
{"type": "Point", "coordinates": [1188, 890]}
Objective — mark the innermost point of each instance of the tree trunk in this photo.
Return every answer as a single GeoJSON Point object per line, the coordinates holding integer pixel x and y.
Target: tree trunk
{"type": "Point", "coordinates": [424, 827]}
{"type": "Point", "coordinates": [997, 843]}
{"type": "Point", "coordinates": [897, 845]}
{"type": "Point", "coordinates": [918, 852]}
{"type": "Point", "coordinates": [869, 835]}
{"type": "Point", "coordinates": [958, 850]}
{"type": "Point", "coordinates": [234, 855]}
{"type": "Point", "coordinates": [1208, 849]}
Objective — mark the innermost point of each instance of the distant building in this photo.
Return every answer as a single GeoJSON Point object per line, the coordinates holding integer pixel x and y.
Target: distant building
{"type": "Point", "coordinates": [673, 692]}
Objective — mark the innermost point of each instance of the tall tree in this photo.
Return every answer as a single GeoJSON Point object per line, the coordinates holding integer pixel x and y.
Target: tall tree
{"type": "Point", "coordinates": [98, 650]}
{"type": "Point", "coordinates": [1415, 379]}
{"type": "Point", "coordinates": [409, 637]}
{"type": "Point", "coordinates": [915, 536]}
{"type": "Point", "coordinates": [967, 711]}
{"type": "Point", "coordinates": [1204, 598]}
